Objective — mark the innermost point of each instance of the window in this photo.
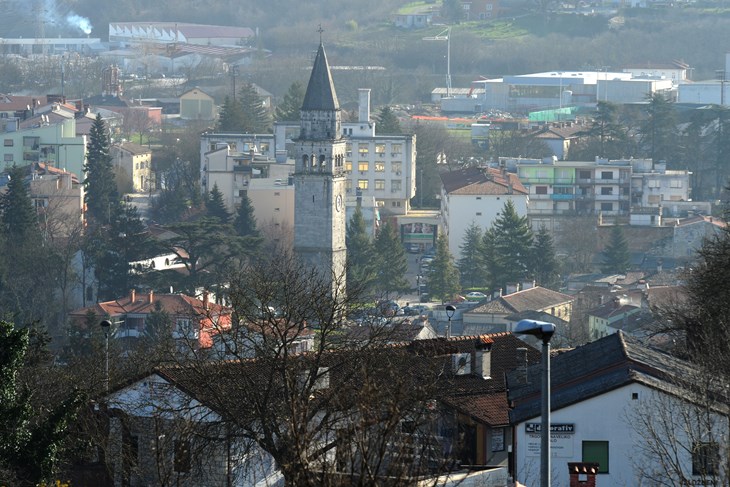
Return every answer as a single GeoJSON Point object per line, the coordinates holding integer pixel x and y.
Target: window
{"type": "Point", "coordinates": [606, 175]}
{"type": "Point", "coordinates": [363, 149]}
{"type": "Point", "coordinates": [379, 167]}
{"type": "Point", "coordinates": [8, 158]}
{"type": "Point", "coordinates": [396, 166]}
{"type": "Point", "coordinates": [596, 451]}
{"type": "Point", "coordinates": [675, 183]}
{"type": "Point", "coordinates": [8, 142]}
{"type": "Point", "coordinates": [562, 190]}
{"type": "Point", "coordinates": [348, 166]}
{"type": "Point", "coordinates": [32, 142]}
{"type": "Point", "coordinates": [705, 458]}
{"type": "Point", "coordinates": [479, 213]}
{"type": "Point", "coordinates": [380, 150]}
{"type": "Point", "coordinates": [363, 166]}
{"type": "Point", "coordinates": [380, 184]}
{"type": "Point", "coordinates": [652, 183]}
{"type": "Point", "coordinates": [395, 185]}
{"type": "Point", "coordinates": [606, 206]}
{"type": "Point", "coordinates": [362, 183]}
{"type": "Point", "coordinates": [182, 458]}
{"type": "Point", "coordinates": [607, 190]}
{"type": "Point", "coordinates": [348, 149]}
{"type": "Point", "coordinates": [584, 175]}
{"type": "Point", "coordinates": [396, 149]}
{"type": "Point", "coordinates": [540, 189]}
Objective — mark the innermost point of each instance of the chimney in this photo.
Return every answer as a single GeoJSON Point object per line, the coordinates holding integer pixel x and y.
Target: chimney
{"type": "Point", "coordinates": [151, 296]}
{"type": "Point", "coordinates": [582, 474]}
{"type": "Point", "coordinates": [206, 300]}
{"type": "Point", "coordinates": [363, 105]}
{"type": "Point", "coordinates": [483, 362]}
{"type": "Point", "coordinates": [132, 296]}
{"type": "Point", "coordinates": [521, 368]}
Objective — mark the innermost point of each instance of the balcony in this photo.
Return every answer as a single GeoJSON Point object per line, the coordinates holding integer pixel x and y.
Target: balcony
{"type": "Point", "coordinates": [243, 169]}
{"type": "Point", "coordinates": [562, 197]}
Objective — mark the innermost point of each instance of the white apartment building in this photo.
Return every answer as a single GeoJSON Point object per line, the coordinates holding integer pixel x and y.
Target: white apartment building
{"type": "Point", "coordinates": [382, 167]}
{"type": "Point", "coordinates": [477, 195]}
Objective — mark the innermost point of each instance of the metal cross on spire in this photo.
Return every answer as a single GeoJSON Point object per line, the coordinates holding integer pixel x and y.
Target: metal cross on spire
{"type": "Point", "coordinates": [320, 30]}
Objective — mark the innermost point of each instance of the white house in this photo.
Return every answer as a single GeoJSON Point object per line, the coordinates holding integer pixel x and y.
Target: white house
{"type": "Point", "coordinates": [477, 195]}
{"type": "Point", "coordinates": [628, 408]}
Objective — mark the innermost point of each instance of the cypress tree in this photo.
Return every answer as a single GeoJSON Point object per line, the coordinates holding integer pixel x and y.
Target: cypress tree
{"type": "Point", "coordinates": [545, 264]}
{"type": "Point", "coordinates": [360, 254]}
{"type": "Point", "coordinates": [443, 276]}
{"type": "Point", "coordinates": [471, 263]}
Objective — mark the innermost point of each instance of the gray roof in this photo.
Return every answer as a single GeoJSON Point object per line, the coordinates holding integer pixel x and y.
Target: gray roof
{"type": "Point", "coordinates": [594, 369]}
{"type": "Point", "coordinates": [321, 89]}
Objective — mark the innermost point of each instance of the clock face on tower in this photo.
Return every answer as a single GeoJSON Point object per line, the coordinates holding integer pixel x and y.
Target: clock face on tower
{"type": "Point", "coordinates": [338, 202]}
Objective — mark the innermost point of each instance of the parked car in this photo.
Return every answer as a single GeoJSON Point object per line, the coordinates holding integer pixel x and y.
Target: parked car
{"type": "Point", "coordinates": [414, 248]}
{"type": "Point", "coordinates": [475, 296]}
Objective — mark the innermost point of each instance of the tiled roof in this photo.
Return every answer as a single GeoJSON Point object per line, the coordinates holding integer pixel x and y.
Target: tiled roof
{"type": "Point", "coordinates": [535, 299]}
{"type": "Point", "coordinates": [481, 181]}
{"type": "Point", "coordinates": [609, 310]}
{"type": "Point", "coordinates": [320, 93]}
{"type": "Point", "coordinates": [17, 102]}
{"type": "Point", "coordinates": [134, 149]}
{"type": "Point", "coordinates": [593, 369]}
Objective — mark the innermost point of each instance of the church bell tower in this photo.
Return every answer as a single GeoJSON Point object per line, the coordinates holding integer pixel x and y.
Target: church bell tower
{"type": "Point", "coordinates": [319, 178]}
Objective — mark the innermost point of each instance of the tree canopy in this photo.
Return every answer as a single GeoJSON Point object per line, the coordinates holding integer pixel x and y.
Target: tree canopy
{"type": "Point", "coordinates": [101, 197]}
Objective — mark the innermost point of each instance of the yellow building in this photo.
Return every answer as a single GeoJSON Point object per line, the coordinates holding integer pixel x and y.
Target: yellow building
{"type": "Point", "coordinates": [136, 162]}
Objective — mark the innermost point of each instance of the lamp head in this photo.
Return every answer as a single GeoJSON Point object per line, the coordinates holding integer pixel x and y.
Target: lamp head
{"type": "Point", "coordinates": [106, 324]}
{"type": "Point", "coordinates": [450, 310]}
{"type": "Point", "coordinates": [540, 329]}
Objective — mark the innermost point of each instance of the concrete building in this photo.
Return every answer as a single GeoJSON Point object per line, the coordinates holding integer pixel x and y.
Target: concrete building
{"type": "Point", "coordinates": [628, 407]}
{"type": "Point", "coordinates": [136, 162]}
{"type": "Point", "coordinates": [195, 104]}
{"type": "Point", "coordinates": [55, 144]}
{"type": "Point", "coordinates": [272, 201]}
{"type": "Point", "coordinates": [477, 195]}
{"type": "Point", "coordinates": [58, 197]}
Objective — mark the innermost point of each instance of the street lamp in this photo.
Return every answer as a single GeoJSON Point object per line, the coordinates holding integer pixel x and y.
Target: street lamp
{"type": "Point", "coordinates": [106, 326]}
{"type": "Point", "coordinates": [450, 310]}
{"type": "Point", "coordinates": [543, 331]}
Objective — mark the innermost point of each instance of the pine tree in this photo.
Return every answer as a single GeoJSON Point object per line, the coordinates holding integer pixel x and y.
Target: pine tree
{"type": "Point", "coordinates": [512, 246]}
{"type": "Point", "coordinates": [471, 263]}
{"type": "Point", "coordinates": [616, 257]}
{"type": "Point", "coordinates": [489, 258]}
{"type": "Point", "coordinates": [361, 269]}
{"type": "Point", "coordinates": [291, 104]}
{"type": "Point", "coordinates": [255, 116]}
{"type": "Point", "coordinates": [245, 222]}
{"type": "Point", "coordinates": [19, 221]}
{"type": "Point", "coordinates": [545, 264]}
{"type": "Point", "coordinates": [387, 122]}
{"type": "Point", "coordinates": [659, 129]}
{"type": "Point", "coordinates": [231, 118]}
{"type": "Point", "coordinates": [392, 261]}
{"type": "Point", "coordinates": [215, 207]}
{"type": "Point", "coordinates": [443, 276]}
{"type": "Point", "coordinates": [101, 196]}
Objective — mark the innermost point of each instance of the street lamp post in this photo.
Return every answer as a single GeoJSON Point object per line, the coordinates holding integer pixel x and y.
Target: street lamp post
{"type": "Point", "coordinates": [106, 326]}
{"type": "Point", "coordinates": [543, 331]}
{"type": "Point", "coordinates": [450, 310]}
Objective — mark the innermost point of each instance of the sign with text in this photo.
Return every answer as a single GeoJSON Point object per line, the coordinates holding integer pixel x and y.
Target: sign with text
{"type": "Point", "coordinates": [561, 439]}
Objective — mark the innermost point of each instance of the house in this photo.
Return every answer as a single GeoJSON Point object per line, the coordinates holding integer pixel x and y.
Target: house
{"type": "Point", "coordinates": [192, 319]}
{"type": "Point", "coordinates": [630, 408]}
{"type": "Point", "coordinates": [492, 316]}
{"type": "Point", "coordinates": [467, 421]}
{"type": "Point", "coordinates": [560, 136]}
{"type": "Point", "coordinates": [195, 104]}
{"type": "Point", "coordinates": [476, 195]}
{"type": "Point", "coordinates": [480, 9]}
{"type": "Point", "coordinates": [413, 20]}
{"type": "Point", "coordinates": [611, 316]}
{"type": "Point", "coordinates": [136, 162]}
{"type": "Point", "coordinates": [58, 197]}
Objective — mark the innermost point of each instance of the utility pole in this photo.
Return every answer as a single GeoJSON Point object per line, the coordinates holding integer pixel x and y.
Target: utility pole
{"type": "Point", "coordinates": [444, 36]}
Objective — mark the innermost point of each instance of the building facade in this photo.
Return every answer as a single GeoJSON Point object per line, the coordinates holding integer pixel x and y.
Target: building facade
{"type": "Point", "coordinates": [136, 162]}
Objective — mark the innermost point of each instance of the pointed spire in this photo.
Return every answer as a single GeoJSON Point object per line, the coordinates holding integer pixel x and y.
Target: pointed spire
{"type": "Point", "coordinates": [321, 89]}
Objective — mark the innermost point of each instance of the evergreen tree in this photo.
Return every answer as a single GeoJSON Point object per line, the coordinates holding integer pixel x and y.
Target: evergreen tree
{"type": "Point", "coordinates": [443, 276]}
{"type": "Point", "coordinates": [255, 116]}
{"type": "Point", "coordinates": [361, 269]}
{"type": "Point", "coordinates": [471, 263]}
{"type": "Point", "coordinates": [392, 261]}
{"type": "Point", "coordinates": [387, 122]}
{"type": "Point", "coordinates": [616, 258]}
{"type": "Point", "coordinates": [231, 117]}
{"type": "Point", "coordinates": [158, 323]}
{"type": "Point", "coordinates": [659, 129]}
{"type": "Point", "coordinates": [512, 246]}
{"type": "Point", "coordinates": [101, 196]}
{"type": "Point", "coordinates": [19, 221]}
{"type": "Point", "coordinates": [245, 222]}
{"type": "Point", "coordinates": [545, 263]}
{"type": "Point", "coordinates": [291, 104]}
{"type": "Point", "coordinates": [215, 207]}
{"type": "Point", "coordinates": [32, 437]}
{"type": "Point", "coordinates": [606, 129]}
{"type": "Point", "coordinates": [489, 258]}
